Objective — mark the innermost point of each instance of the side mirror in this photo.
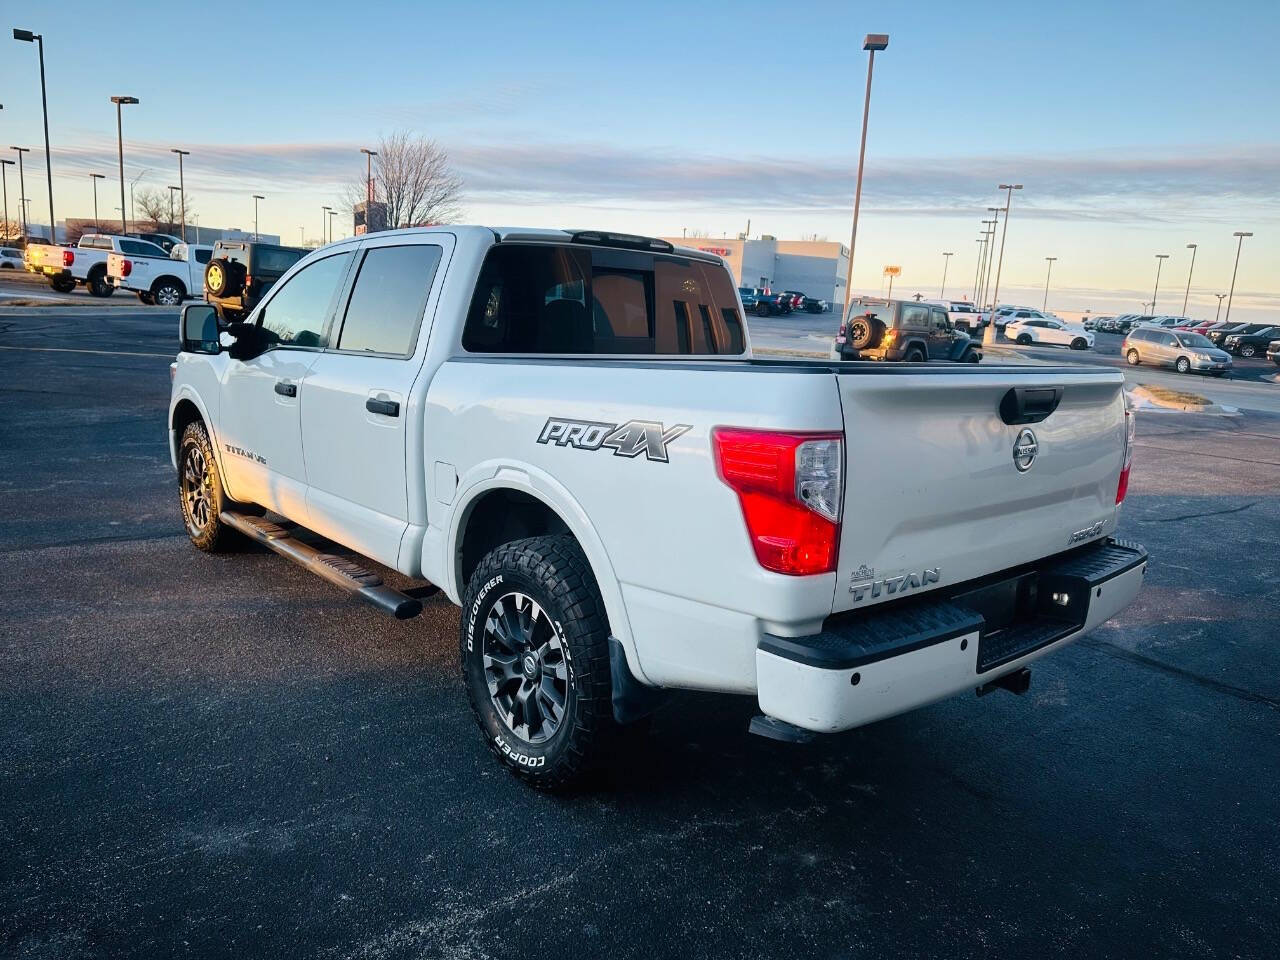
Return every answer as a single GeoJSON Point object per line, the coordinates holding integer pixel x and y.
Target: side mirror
{"type": "Point", "coordinates": [198, 329]}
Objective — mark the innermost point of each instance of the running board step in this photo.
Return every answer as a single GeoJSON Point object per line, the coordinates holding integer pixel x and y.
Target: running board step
{"type": "Point", "coordinates": [341, 571]}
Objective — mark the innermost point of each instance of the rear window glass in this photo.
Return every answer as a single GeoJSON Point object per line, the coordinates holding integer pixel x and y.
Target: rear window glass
{"type": "Point", "coordinates": [274, 259]}
{"type": "Point", "coordinates": [557, 299]}
{"type": "Point", "coordinates": [203, 256]}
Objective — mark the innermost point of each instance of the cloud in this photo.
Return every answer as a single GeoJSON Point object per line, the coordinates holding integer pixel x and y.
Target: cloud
{"type": "Point", "coordinates": [1174, 186]}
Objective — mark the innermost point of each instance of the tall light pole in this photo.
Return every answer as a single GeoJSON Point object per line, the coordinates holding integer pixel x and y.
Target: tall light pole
{"type": "Point", "coordinates": [945, 263]}
{"type": "Point", "coordinates": [989, 335]}
{"type": "Point", "coordinates": [368, 186]}
{"type": "Point", "coordinates": [28, 37]}
{"type": "Point", "coordinates": [94, 178]}
{"type": "Point", "coordinates": [1185, 296]}
{"type": "Point", "coordinates": [1221, 297]}
{"type": "Point", "coordinates": [22, 189]}
{"type": "Point", "coordinates": [1160, 259]}
{"type": "Point", "coordinates": [332, 214]}
{"type": "Point", "coordinates": [1241, 234]}
{"type": "Point", "coordinates": [171, 189]}
{"type": "Point", "coordinates": [324, 224]}
{"type": "Point", "coordinates": [991, 258]}
{"type": "Point", "coordinates": [4, 182]}
{"type": "Point", "coordinates": [982, 263]}
{"type": "Point", "coordinates": [300, 236]}
{"type": "Point", "coordinates": [872, 43]}
{"type": "Point", "coordinates": [120, 102]}
{"type": "Point", "coordinates": [1044, 307]}
{"type": "Point", "coordinates": [182, 190]}
{"type": "Point", "coordinates": [256, 198]}
{"type": "Point", "coordinates": [982, 248]}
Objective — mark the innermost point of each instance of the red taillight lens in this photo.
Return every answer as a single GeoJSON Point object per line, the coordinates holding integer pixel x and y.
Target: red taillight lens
{"type": "Point", "coordinates": [126, 267]}
{"type": "Point", "coordinates": [68, 258]}
{"type": "Point", "coordinates": [1130, 431]}
{"type": "Point", "coordinates": [790, 488]}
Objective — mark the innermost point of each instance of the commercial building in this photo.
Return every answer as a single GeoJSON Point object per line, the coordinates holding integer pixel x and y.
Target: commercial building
{"type": "Point", "coordinates": [814, 267]}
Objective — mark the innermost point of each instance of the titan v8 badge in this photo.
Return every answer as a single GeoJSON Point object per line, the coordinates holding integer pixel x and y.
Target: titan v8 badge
{"type": "Point", "coordinates": [627, 440]}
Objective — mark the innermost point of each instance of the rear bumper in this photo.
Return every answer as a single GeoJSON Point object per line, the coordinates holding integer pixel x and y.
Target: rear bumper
{"type": "Point", "coordinates": [875, 664]}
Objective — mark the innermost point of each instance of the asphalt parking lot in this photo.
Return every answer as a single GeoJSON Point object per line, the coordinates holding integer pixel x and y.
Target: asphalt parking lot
{"type": "Point", "coordinates": [223, 756]}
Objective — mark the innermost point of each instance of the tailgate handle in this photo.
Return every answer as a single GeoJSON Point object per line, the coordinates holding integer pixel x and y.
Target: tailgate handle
{"type": "Point", "coordinates": [1029, 404]}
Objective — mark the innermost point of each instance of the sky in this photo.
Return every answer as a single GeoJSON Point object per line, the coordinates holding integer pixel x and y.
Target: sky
{"type": "Point", "coordinates": [1135, 128]}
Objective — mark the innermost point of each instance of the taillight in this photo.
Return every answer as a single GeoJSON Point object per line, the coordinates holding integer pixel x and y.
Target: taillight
{"type": "Point", "coordinates": [68, 258]}
{"type": "Point", "coordinates": [248, 281]}
{"type": "Point", "coordinates": [790, 487]}
{"type": "Point", "coordinates": [126, 267]}
{"type": "Point", "coordinates": [1130, 431]}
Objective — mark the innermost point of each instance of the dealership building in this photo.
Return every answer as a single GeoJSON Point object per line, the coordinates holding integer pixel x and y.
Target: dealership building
{"type": "Point", "coordinates": [814, 267]}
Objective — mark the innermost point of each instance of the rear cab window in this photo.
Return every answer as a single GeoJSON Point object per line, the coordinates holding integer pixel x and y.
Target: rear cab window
{"type": "Point", "coordinates": [575, 299]}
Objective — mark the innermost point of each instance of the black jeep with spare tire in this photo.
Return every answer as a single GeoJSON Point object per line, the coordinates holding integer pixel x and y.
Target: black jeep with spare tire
{"type": "Point", "coordinates": [240, 272]}
{"type": "Point", "coordinates": [903, 331]}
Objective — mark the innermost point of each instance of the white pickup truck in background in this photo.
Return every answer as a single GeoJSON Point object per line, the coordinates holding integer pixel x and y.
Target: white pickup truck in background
{"type": "Point", "coordinates": [567, 435]}
{"type": "Point", "coordinates": [86, 262]}
{"type": "Point", "coordinates": [166, 280]}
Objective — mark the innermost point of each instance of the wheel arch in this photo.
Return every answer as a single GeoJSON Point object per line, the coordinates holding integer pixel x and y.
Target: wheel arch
{"type": "Point", "coordinates": [538, 499]}
{"type": "Point", "coordinates": [169, 276]}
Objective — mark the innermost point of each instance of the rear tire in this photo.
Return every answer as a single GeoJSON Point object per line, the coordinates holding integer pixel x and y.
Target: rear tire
{"type": "Point", "coordinates": [762, 309]}
{"type": "Point", "coordinates": [1182, 365]}
{"type": "Point", "coordinates": [1079, 343]}
{"type": "Point", "coordinates": [97, 283]}
{"type": "Point", "coordinates": [1248, 350]}
{"type": "Point", "coordinates": [1025, 339]}
{"type": "Point", "coordinates": [534, 645]}
{"type": "Point", "coordinates": [146, 298]}
{"type": "Point", "coordinates": [62, 284]}
{"type": "Point", "coordinates": [1133, 358]}
{"type": "Point", "coordinates": [913, 356]}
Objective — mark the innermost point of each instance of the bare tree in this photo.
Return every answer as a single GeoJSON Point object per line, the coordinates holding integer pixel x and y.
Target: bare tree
{"type": "Point", "coordinates": [413, 177]}
{"type": "Point", "coordinates": [696, 233]}
{"type": "Point", "coordinates": [159, 212]}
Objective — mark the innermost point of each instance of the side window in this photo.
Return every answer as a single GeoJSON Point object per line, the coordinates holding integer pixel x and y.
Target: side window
{"type": "Point", "coordinates": [1022, 314]}
{"type": "Point", "coordinates": [914, 315]}
{"type": "Point", "coordinates": [1167, 339]}
{"type": "Point", "coordinates": [940, 319]}
{"type": "Point", "coordinates": [203, 256]}
{"type": "Point", "coordinates": [296, 314]}
{"type": "Point", "coordinates": [388, 299]}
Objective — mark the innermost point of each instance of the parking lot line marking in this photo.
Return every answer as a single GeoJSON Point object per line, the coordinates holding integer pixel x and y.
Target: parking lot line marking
{"type": "Point", "coordinates": [105, 353]}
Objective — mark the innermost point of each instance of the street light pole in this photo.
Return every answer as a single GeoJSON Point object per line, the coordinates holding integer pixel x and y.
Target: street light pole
{"type": "Point", "coordinates": [1190, 270]}
{"type": "Point", "coordinates": [332, 214]}
{"type": "Point", "coordinates": [989, 335]}
{"type": "Point", "coordinates": [256, 198]}
{"type": "Point", "coordinates": [981, 242]}
{"type": "Point", "coordinates": [368, 187]}
{"type": "Point", "coordinates": [945, 264]}
{"type": "Point", "coordinates": [1160, 259]}
{"type": "Point", "coordinates": [324, 224]}
{"type": "Point", "coordinates": [1044, 307]}
{"type": "Point", "coordinates": [182, 190]}
{"type": "Point", "coordinates": [4, 182]}
{"type": "Point", "coordinates": [94, 178]}
{"type": "Point", "coordinates": [120, 102]}
{"type": "Point", "coordinates": [872, 43]}
{"type": "Point", "coordinates": [1241, 234]}
{"type": "Point", "coordinates": [28, 36]}
{"type": "Point", "coordinates": [171, 189]}
{"type": "Point", "coordinates": [22, 190]}
{"type": "Point", "coordinates": [1216, 313]}
{"type": "Point", "coordinates": [991, 248]}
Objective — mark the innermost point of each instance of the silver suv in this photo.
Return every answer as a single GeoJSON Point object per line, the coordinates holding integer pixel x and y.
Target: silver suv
{"type": "Point", "coordinates": [1179, 349]}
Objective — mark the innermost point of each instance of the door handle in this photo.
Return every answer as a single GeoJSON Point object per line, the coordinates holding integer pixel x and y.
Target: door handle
{"type": "Point", "coordinates": [388, 408]}
{"type": "Point", "coordinates": [1029, 404]}
{"type": "Point", "coordinates": [286, 389]}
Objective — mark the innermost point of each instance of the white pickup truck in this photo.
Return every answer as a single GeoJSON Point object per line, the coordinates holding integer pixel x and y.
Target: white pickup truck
{"type": "Point", "coordinates": [166, 280]}
{"type": "Point", "coordinates": [86, 262]}
{"type": "Point", "coordinates": [567, 435]}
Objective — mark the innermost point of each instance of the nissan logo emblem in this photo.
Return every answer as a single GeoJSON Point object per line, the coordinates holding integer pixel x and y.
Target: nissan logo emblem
{"type": "Point", "coordinates": [1025, 449]}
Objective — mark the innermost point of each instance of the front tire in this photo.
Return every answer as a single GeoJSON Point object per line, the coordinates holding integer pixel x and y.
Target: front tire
{"type": "Point", "coordinates": [913, 356]}
{"type": "Point", "coordinates": [1079, 343]}
{"type": "Point", "coordinates": [1248, 350]}
{"type": "Point", "coordinates": [168, 293]}
{"type": "Point", "coordinates": [1132, 358]}
{"type": "Point", "coordinates": [1024, 339]}
{"type": "Point", "coordinates": [200, 491]}
{"type": "Point", "coordinates": [1182, 365]}
{"type": "Point", "coordinates": [534, 645]}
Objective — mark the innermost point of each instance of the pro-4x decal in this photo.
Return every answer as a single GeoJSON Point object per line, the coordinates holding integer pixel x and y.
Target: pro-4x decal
{"type": "Point", "coordinates": [626, 440]}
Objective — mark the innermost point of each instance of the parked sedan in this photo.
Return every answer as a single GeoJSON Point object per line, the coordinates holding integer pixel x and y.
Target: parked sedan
{"type": "Point", "coordinates": [1170, 348]}
{"type": "Point", "coordinates": [1250, 344]}
{"type": "Point", "coordinates": [1273, 352]}
{"type": "Point", "coordinates": [1049, 331]}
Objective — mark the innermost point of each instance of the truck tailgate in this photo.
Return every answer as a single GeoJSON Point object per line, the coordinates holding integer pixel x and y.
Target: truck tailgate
{"type": "Point", "coordinates": [933, 496]}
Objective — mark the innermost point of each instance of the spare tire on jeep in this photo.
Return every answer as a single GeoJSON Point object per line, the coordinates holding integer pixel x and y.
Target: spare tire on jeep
{"type": "Point", "coordinates": [865, 332]}
{"type": "Point", "coordinates": [224, 278]}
